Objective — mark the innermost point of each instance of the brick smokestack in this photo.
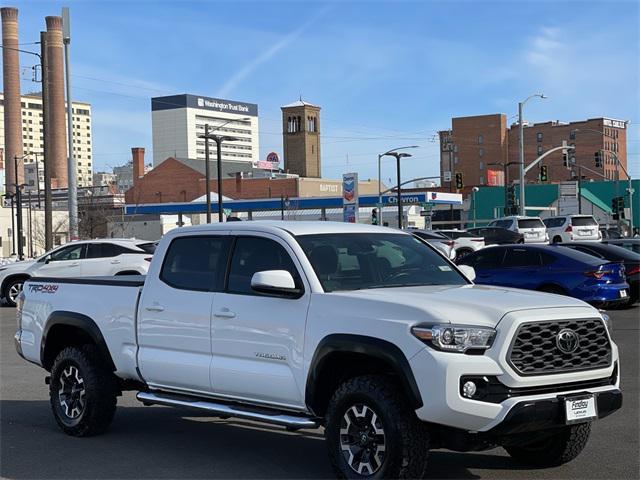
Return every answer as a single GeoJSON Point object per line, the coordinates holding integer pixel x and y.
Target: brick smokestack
{"type": "Point", "coordinates": [12, 105]}
{"type": "Point", "coordinates": [137, 156]}
{"type": "Point", "coordinates": [56, 130]}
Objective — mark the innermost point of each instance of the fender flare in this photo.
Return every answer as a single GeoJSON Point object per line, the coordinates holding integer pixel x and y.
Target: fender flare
{"type": "Point", "coordinates": [82, 322]}
{"type": "Point", "coordinates": [364, 345]}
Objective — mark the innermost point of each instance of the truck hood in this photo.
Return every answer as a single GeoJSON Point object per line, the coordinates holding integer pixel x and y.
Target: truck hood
{"type": "Point", "coordinates": [465, 304]}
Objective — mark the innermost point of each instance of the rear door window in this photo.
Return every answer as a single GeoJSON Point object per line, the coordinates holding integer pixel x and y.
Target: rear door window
{"type": "Point", "coordinates": [102, 250]}
{"type": "Point", "coordinates": [485, 259]}
{"type": "Point", "coordinates": [520, 257]}
{"type": "Point", "coordinates": [196, 263]}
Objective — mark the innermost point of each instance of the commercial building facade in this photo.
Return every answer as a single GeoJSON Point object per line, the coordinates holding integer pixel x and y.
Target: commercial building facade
{"type": "Point", "coordinates": [179, 120]}
{"type": "Point", "coordinates": [33, 137]}
{"type": "Point", "coordinates": [481, 147]}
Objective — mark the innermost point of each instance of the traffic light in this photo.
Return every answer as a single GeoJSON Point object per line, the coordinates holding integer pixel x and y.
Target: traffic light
{"type": "Point", "coordinates": [598, 158]}
{"type": "Point", "coordinates": [544, 173]}
{"type": "Point", "coordinates": [565, 159]}
{"type": "Point", "coordinates": [374, 216]}
{"type": "Point", "coordinates": [459, 182]}
{"type": "Point", "coordinates": [617, 207]}
{"type": "Point", "coordinates": [511, 199]}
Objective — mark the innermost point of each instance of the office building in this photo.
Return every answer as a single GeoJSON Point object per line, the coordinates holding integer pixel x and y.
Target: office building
{"type": "Point", "coordinates": [486, 152]}
{"type": "Point", "coordinates": [178, 121]}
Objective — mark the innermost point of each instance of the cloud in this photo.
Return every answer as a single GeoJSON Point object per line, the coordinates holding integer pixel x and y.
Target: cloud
{"type": "Point", "coordinates": [234, 81]}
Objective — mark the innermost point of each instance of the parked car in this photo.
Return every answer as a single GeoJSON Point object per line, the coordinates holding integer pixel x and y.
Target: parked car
{"type": "Point", "coordinates": [570, 228]}
{"type": "Point", "coordinates": [443, 243]}
{"type": "Point", "coordinates": [363, 330]}
{"type": "Point", "coordinates": [464, 242]}
{"type": "Point", "coordinates": [497, 235]}
{"type": "Point", "coordinates": [608, 232]}
{"type": "Point", "coordinates": [632, 244]}
{"type": "Point", "coordinates": [90, 258]}
{"type": "Point", "coordinates": [554, 270]}
{"type": "Point", "coordinates": [532, 228]}
{"type": "Point", "coordinates": [615, 253]}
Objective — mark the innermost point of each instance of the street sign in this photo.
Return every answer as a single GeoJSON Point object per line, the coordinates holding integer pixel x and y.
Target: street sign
{"type": "Point", "coordinates": [446, 176]}
{"type": "Point", "coordinates": [425, 213]}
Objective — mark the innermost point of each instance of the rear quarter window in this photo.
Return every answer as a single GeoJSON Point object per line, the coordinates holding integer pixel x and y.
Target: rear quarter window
{"type": "Point", "coordinates": [530, 223]}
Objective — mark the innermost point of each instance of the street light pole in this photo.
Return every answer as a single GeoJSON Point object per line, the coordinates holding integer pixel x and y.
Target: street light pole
{"type": "Point", "coordinates": [380, 156]}
{"type": "Point", "coordinates": [522, 208]}
{"type": "Point", "coordinates": [218, 141]}
{"type": "Point", "coordinates": [400, 215]}
{"type": "Point", "coordinates": [207, 171]}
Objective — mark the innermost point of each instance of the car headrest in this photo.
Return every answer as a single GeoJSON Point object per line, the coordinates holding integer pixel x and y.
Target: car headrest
{"type": "Point", "coordinates": [325, 259]}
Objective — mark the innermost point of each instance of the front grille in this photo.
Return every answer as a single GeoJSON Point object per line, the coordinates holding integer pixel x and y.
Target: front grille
{"type": "Point", "coordinates": [534, 350]}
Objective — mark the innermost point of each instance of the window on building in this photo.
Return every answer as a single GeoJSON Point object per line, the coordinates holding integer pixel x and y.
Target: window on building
{"type": "Point", "coordinates": [539, 149]}
{"type": "Point", "coordinates": [455, 148]}
{"type": "Point", "coordinates": [481, 180]}
{"type": "Point", "coordinates": [480, 139]}
{"type": "Point", "coordinates": [481, 165]}
{"type": "Point", "coordinates": [539, 136]}
{"type": "Point", "coordinates": [481, 152]}
{"type": "Point", "coordinates": [572, 135]}
{"type": "Point", "coordinates": [455, 159]}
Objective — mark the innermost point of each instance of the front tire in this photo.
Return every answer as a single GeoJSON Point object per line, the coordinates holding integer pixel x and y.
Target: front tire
{"type": "Point", "coordinates": [558, 449]}
{"type": "Point", "coordinates": [372, 431]}
{"type": "Point", "coordinates": [82, 391]}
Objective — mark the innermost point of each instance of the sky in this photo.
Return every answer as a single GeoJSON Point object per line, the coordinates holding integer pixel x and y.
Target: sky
{"type": "Point", "coordinates": [386, 73]}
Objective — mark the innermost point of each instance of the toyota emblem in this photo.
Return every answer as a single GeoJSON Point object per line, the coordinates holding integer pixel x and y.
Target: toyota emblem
{"type": "Point", "coordinates": [567, 341]}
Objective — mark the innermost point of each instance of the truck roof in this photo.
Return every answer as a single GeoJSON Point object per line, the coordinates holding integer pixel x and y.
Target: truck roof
{"type": "Point", "coordinates": [293, 227]}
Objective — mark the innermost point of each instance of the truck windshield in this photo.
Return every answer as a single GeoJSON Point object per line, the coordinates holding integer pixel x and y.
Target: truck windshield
{"type": "Point", "coordinates": [355, 261]}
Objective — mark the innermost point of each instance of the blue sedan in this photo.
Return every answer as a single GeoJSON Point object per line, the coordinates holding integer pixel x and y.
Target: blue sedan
{"type": "Point", "coordinates": [553, 270]}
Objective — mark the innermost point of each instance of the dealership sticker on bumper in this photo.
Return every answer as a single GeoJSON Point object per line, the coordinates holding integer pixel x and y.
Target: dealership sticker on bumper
{"type": "Point", "coordinates": [580, 409]}
{"type": "Point", "coordinates": [623, 294]}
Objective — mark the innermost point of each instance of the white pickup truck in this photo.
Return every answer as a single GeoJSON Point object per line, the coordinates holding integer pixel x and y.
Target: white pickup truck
{"type": "Point", "coordinates": [363, 330]}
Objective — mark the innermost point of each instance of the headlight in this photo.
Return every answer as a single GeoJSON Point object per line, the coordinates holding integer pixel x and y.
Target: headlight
{"type": "Point", "coordinates": [455, 338]}
{"type": "Point", "coordinates": [607, 320]}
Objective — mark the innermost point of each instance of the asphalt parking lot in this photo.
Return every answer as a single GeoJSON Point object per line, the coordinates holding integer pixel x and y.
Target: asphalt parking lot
{"type": "Point", "coordinates": [158, 442]}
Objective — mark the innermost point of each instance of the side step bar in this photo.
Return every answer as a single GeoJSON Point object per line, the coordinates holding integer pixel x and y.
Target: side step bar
{"type": "Point", "coordinates": [261, 415]}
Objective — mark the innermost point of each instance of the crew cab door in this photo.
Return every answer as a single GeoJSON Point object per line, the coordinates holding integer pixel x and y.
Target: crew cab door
{"type": "Point", "coordinates": [65, 262]}
{"type": "Point", "coordinates": [257, 340]}
{"type": "Point", "coordinates": [174, 315]}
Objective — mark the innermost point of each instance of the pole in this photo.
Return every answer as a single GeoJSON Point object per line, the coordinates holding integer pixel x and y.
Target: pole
{"type": "Point", "coordinates": [30, 228]}
{"type": "Point", "coordinates": [521, 129]}
{"type": "Point", "coordinates": [451, 173]}
{"type": "Point", "coordinates": [473, 199]}
{"type": "Point", "coordinates": [397, 155]}
{"type": "Point", "coordinates": [281, 206]}
{"type": "Point", "coordinates": [505, 166]}
{"type": "Point", "coordinates": [37, 176]}
{"type": "Point", "coordinates": [19, 233]}
{"type": "Point", "coordinates": [579, 189]}
{"type": "Point", "coordinates": [71, 163]}
{"type": "Point", "coordinates": [379, 190]}
{"type": "Point", "coordinates": [48, 207]}
{"type": "Point", "coordinates": [13, 228]}
{"type": "Point", "coordinates": [207, 171]}
{"type": "Point", "coordinates": [219, 168]}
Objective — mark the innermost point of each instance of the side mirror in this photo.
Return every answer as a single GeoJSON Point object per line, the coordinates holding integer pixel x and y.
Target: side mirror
{"type": "Point", "coordinates": [468, 272]}
{"type": "Point", "coordinates": [47, 260]}
{"type": "Point", "coordinates": [277, 283]}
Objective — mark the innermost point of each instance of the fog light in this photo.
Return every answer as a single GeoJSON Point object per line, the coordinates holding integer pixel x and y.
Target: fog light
{"type": "Point", "coordinates": [469, 389]}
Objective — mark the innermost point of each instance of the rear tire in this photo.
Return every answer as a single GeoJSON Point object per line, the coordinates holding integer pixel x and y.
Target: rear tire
{"type": "Point", "coordinates": [561, 448]}
{"type": "Point", "coordinates": [12, 289]}
{"type": "Point", "coordinates": [372, 431]}
{"type": "Point", "coordinates": [557, 239]}
{"type": "Point", "coordinates": [82, 391]}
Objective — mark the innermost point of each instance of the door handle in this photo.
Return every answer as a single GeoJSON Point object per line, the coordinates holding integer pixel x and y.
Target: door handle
{"type": "Point", "coordinates": [74, 264]}
{"type": "Point", "coordinates": [224, 313]}
{"type": "Point", "coordinates": [115, 261]}
{"type": "Point", "coordinates": [154, 307]}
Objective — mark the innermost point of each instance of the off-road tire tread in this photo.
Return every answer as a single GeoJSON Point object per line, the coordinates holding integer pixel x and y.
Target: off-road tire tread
{"type": "Point", "coordinates": [101, 390]}
{"type": "Point", "coordinates": [413, 433]}
{"type": "Point", "coordinates": [562, 450]}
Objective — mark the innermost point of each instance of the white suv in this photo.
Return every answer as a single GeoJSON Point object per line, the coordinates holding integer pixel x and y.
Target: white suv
{"type": "Point", "coordinates": [571, 228]}
{"type": "Point", "coordinates": [89, 258]}
{"type": "Point", "coordinates": [532, 228]}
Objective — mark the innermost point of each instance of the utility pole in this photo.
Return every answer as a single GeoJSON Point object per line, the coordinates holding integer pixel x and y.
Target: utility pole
{"type": "Point", "coordinates": [207, 171]}
{"type": "Point", "coordinates": [48, 207]}
{"type": "Point", "coordinates": [71, 163]}
{"type": "Point", "coordinates": [218, 140]}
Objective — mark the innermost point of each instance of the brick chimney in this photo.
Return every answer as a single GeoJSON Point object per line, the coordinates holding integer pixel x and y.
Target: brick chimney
{"type": "Point", "coordinates": [57, 127]}
{"type": "Point", "coordinates": [137, 158]}
{"type": "Point", "coordinates": [12, 107]}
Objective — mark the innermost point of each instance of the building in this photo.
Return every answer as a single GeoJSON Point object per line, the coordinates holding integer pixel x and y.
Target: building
{"type": "Point", "coordinates": [33, 139]}
{"type": "Point", "coordinates": [472, 146]}
{"type": "Point", "coordinates": [179, 120]}
{"type": "Point", "coordinates": [103, 179]}
{"type": "Point", "coordinates": [301, 139]}
{"type": "Point", "coordinates": [480, 147]}
{"type": "Point", "coordinates": [587, 136]}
